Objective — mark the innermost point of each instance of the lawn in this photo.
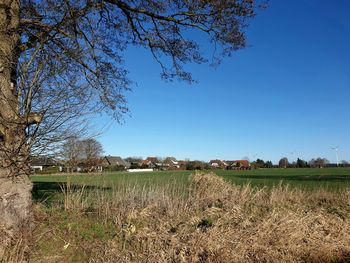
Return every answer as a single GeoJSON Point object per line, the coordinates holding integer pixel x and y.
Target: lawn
{"type": "Point", "coordinates": [308, 178]}
{"type": "Point", "coordinates": [49, 187]}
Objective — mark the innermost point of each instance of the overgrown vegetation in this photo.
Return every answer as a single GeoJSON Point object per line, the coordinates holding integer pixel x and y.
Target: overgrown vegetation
{"type": "Point", "coordinates": [211, 221]}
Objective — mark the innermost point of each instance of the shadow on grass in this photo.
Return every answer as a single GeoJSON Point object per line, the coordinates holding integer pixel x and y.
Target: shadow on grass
{"type": "Point", "coordinates": [50, 192]}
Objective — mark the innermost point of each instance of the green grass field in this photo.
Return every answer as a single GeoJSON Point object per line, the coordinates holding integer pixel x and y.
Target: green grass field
{"type": "Point", "coordinates": [49, 187]}
{"type": "Point", "coordinates": [308, 178]}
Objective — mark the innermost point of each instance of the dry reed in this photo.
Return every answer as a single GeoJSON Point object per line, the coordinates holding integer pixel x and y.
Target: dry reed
{"type": "Point", "coordinates": [214, 221]}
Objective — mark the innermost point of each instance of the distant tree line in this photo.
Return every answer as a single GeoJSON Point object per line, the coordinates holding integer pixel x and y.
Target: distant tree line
{"type": "Point", "coordinates": [318, 162]}
{"type": "Point", "coordinates": [259, 163]}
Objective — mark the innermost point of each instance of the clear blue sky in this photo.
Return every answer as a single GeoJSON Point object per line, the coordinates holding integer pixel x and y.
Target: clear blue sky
{"type": "Point", "coordinates": [287, 94]}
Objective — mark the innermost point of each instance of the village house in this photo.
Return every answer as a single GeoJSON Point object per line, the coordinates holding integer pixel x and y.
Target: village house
{"type": "Point", "coordinates": [230, 165]}
{"type": "Point", "coordinates": [45, 163]}
{"type": "Point", "coordinates": [115, 163]}
{"type": "Point", "coordinates": [170, 163]}
{"type": "Point", "coordinates": [151, 163]}
{"type": "Point", "coordinates": [217, 164]}
{"type": "Point", "coordinates": [239, 165]}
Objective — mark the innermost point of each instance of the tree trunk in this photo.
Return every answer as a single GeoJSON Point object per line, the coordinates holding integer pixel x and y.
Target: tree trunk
{"type": "Point", "coordinates": [15, 186]}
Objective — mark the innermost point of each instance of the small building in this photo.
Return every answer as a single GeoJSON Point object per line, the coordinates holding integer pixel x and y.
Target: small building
{"type": "Point", "coordinates": [216, 164]}
{"type": "Point", "coordinates": [151, 163]}
{"type": "Point", "coordinates": [170, 163]}
{"type": "Point", "coordinates": [240, 165]}
{"type": "Point", "coordinates": [115, 163]}
{"type": "Point", "coordinates": [44, 164]}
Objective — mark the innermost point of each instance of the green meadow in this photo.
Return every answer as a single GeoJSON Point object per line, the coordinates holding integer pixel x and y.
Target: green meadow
{"type": "Point", "coordinates": [50, 187]}
{"type": "Point", "coordinates": [304, 178]}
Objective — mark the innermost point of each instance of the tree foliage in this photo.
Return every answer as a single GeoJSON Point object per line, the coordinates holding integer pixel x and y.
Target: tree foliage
{"type": "Point", "coordinates": [301, 163]}
{"type": "Point", "coordinates": [268, 164]}
{"type": "Point", "coordinates": [260, 163]}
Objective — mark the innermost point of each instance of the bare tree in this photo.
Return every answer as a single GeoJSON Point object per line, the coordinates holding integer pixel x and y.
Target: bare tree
{"type": "Point", "coordinates": [92, 151]}
{"type": "Point", "coordinates": [283, 163]}
{"type": "Point", "coordinates": [72, 153]}
{"type": "Point", "coordinates": [85, 152]}
{"type": "Point", "coordinates": [62, 60]}
{"type": "Point", "coordinates": [344, 163]}
{"type": "Point", "coordinates": [318, 162]}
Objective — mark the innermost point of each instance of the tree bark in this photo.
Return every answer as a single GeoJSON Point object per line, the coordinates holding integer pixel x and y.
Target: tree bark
{"type": "Point", "coordinates": [15, 186]}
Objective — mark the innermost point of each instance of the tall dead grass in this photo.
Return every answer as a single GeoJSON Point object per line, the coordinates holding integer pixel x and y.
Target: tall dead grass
{"type": "Point", "coordinates": [214, 221]}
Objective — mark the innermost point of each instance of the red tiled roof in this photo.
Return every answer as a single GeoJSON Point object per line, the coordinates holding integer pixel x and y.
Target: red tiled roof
{"type": "Point", "coordinates": [149, 160]}
{"type": "Point", "coordinates": [244, 163]}
{"type": "Point", "coordinates": [152, 159]}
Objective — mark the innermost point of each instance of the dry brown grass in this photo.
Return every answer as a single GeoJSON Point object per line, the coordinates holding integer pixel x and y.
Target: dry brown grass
{"type": "Point", "coordinates": [213, 222]}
